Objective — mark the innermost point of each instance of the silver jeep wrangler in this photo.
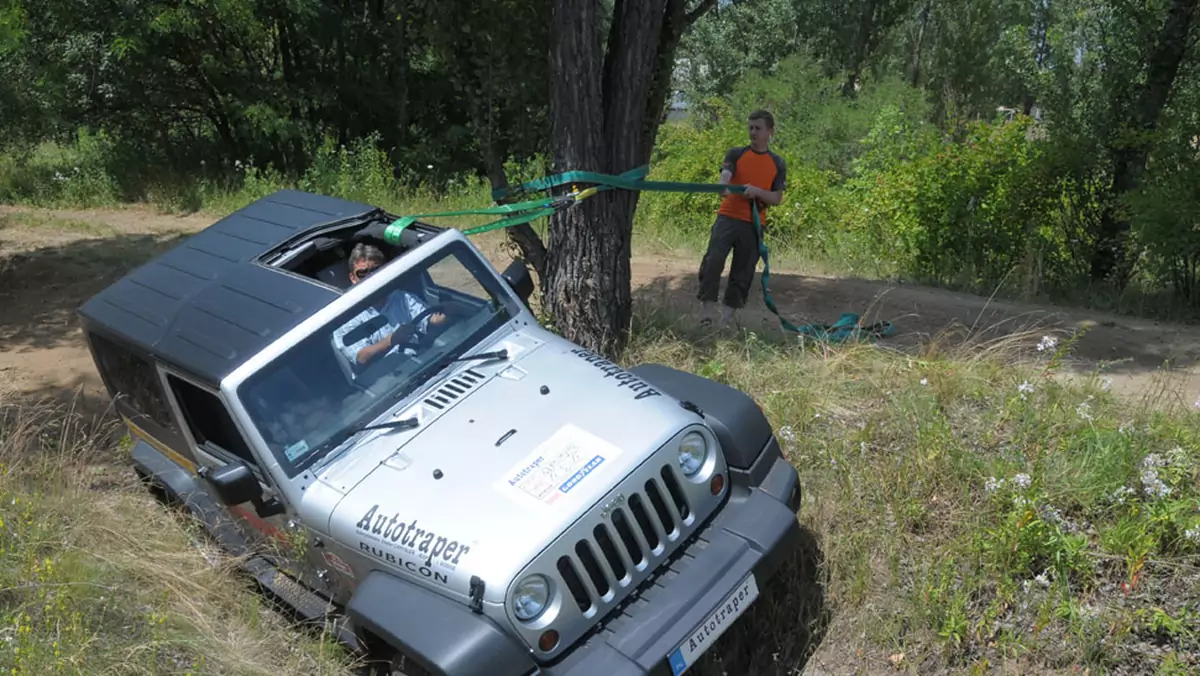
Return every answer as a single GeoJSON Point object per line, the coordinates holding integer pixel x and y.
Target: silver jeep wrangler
{"type": "Point", "coordinates": [480, 496]}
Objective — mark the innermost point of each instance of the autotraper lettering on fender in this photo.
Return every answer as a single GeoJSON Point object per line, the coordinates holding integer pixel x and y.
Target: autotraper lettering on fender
{"type": "Point", "coordinates": [425, 545]}
{"type": "Point", "coordinates": [622, 377]}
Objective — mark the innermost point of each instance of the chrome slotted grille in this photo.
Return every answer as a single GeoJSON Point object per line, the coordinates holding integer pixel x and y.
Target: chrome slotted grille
{"type": "Point", "coordinates": [634, 537]}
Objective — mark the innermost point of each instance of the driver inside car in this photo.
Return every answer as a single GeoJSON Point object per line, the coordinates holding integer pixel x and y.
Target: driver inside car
{"type": "Point", "coordinates": [400, 308]}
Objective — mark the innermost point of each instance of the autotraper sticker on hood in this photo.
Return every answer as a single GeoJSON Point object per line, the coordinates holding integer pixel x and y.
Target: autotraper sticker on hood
{"type": "Point", "coordinates": [557, 466]}
{"type": "Point", "coordinates": [619, 375]}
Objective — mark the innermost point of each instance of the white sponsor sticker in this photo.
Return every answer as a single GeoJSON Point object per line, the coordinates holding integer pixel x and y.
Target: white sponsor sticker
{"type": "Point", "coordinates": [558, 465]}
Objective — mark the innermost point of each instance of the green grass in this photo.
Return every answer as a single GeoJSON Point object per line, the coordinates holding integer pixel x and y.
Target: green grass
{"type": "Point", "coordinates": [42, 222]}
{"type": "Point", "coordinates": [95, 577]}
{"type": "Point", "coordinates": [966, 522]}
{"type": "Point", "coordinates": [955, 521]}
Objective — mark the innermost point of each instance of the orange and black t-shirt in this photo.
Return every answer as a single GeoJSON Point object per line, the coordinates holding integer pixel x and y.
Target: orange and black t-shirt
{"type": "Point", "coordinates": [765, 170]}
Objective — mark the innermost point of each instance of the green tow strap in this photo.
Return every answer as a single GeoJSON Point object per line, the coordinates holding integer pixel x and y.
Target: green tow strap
{"type": "Point", "coordinates": [516, 213]}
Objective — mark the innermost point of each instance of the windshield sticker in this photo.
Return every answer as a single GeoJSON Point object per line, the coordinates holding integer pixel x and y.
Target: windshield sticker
{"type": "Point", "coordinates": [558, 465]}
{"type": "Point", "coordinates": [425, 548]}
{"type": "Point", "coordinates": [296, 450]}
{"type": "Point", "coordinates": [622, 377]}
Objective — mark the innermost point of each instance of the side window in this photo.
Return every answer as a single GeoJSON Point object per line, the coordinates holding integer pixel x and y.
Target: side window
{"type": "Point", "coordinates": [129, 375]}
{"type": "Point", "coordinates": [208, 420]}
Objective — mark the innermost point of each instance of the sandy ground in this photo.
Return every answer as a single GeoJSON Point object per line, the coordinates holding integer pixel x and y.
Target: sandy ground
{"type": "Point", "coordinates": [51, 261]}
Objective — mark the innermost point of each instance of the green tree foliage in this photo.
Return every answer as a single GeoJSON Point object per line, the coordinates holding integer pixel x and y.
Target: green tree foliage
{"type": "Point", "coordinates": [1046, 144]}
{"type": "Point", "coordinates": [1059, 153]}
{"type": "Point", "coordinates": [227, 81]}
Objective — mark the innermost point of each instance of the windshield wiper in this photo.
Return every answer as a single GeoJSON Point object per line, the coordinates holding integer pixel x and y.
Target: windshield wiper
{"type": "Point", "coordinates": [350, 433]}
{"type": "Point", "coordinates": [406, 424]}
{"type": "Point", "coordinates": [495, 354]}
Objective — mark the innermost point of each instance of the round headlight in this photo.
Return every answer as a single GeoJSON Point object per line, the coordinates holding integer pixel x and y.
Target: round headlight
{"type": "Point", "coordinates": [531, 598]}
{"type": "Point", "coordinates": [693, 451]}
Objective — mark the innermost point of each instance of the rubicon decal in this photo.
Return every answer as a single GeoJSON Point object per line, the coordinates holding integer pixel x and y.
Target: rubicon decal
{"type": "Point", "coordinates": [399, 561]}
{"type": "Point", "coordinates": [622, 377]}
{"type": "Point", "coordinates": [427, 546]}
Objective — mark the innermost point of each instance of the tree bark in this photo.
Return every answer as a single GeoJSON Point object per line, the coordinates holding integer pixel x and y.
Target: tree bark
{"type": "Point", "coordinates": [598, 125]}
{"type": "Point", "coordinates": [859, 49]}
{"type": "Point", "coordinates": [1109, 261]}
{"type": "Point", "coordinates": [915, 70]}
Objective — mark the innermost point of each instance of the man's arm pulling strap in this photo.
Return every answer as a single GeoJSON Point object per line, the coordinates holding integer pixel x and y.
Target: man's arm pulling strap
{"type": "Point", "coordinates": [514, 212]}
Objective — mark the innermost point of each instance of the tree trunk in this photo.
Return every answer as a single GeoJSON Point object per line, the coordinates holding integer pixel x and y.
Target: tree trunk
{"type": "Point", "coordinates": [915, 69]}
{"type": "Point", "coordinates": [1109, 260]}
{"type": "Point", "coordinates": [606, 125]}
{"type": "Point", "coordinates": [596, 125]}
{"type": "Point", "coordinates": [586, 288]}
{"type": "Point", "coordinates": [859, 49]}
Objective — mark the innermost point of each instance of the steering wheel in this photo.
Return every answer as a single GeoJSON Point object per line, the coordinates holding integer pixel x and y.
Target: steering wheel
{"type": "Point", "coordinates": [405, 332]}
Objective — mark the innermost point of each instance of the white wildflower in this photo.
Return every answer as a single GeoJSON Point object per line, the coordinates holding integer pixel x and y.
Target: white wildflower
{"type": "Point", "coordinates": [1106, 384]}
{"type": "Point", "coordinates": [1043, 579]}
{"type": "Point", "coordinates": [1153, 460]}
{"type": "Point", "coordinates": [1193, 534]}
{"type": "Point", "coordinates": [1084, 410]}
{"type": "Point", "coordinates": [993, 484]}
{"type": "Point", "coordinates": [1151, 484]}
{"type": "Point", "coordinates": [1052, 515]}
{"type": "Point", "coordinates": [1021, 480]}
{"type": "Point", "coordinates": [429, 166]}
{"type": "Point", "coordinates": [1025, 389]}
{"type": "Point", "coordinates": [237, 164]}
{"type": "Point", "coordinates": [1119, 495]}
{"type": "Point", "coordinates": [787, 433]}
{"type": "Point", "coordinates": [924, 381]}
{"type": "Point", "coordinates": [1197, 404]}
{"type": "Point", "coordinates": [1047, 343]}
{"type": "Point", "coordinates": [1177, 457]}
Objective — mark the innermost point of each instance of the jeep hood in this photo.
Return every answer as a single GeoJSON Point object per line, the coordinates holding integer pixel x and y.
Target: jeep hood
{"type": "Point", "coordinates": [492, 479]}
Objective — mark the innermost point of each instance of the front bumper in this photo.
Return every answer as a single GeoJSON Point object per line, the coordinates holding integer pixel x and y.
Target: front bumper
{"type": "Point", "coordinates": [753, 534]}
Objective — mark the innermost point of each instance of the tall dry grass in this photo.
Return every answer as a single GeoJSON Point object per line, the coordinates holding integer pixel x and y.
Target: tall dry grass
{"type": "Point", "coordinates": [96, 577]}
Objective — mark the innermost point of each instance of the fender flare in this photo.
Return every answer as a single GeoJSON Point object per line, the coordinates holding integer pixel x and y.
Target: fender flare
{"type": "Point", "coordinates": [439, 635]}
{"type": "Point", "coordinates": [739, 423]}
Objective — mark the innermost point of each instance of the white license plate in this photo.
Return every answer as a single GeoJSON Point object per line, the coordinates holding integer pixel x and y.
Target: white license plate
{"type": "Point", "coordinates": [704, 635]}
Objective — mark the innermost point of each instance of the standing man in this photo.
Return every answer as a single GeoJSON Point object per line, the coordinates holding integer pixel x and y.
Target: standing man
{"type": "Point", "coordinates": [764, 174]}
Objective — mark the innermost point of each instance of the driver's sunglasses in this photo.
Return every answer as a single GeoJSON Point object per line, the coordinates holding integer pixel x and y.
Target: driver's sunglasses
{"type": "Point", "coordinates": [363, 272]}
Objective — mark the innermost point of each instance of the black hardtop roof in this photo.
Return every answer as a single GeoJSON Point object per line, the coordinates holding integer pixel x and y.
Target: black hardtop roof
{"type": "Point", "coordinates": [205, 306]}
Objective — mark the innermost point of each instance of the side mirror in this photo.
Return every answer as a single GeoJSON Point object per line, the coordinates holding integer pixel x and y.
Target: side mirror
{"type": "Point", "coordinates": [517, 276]}
{"type": "Point", "coordinates": [235, 484]}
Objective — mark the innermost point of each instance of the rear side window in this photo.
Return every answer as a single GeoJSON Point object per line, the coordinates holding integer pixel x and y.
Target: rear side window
{"type": "Point", "coordinates": [129, 375]}
{"type": "Point", "coordinates": [208, 420]}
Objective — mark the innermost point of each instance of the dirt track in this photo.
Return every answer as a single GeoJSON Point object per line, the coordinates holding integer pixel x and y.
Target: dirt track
{"type": "Point", "coordinates": [50, 261]}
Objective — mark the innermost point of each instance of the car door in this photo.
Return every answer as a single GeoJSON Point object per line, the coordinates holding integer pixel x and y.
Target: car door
{"type": "Point", "coordinates": [215, 440]}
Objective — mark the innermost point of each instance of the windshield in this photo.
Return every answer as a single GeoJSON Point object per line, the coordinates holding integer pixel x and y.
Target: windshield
{"type": "Point", "coordinates": [360, 364]}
